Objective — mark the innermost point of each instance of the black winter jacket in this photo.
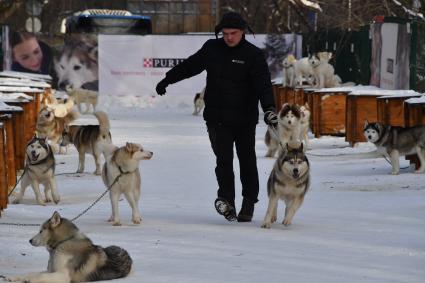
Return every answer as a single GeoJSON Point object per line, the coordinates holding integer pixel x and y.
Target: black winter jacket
{"type": "Point", "coordinates": [237, 78]}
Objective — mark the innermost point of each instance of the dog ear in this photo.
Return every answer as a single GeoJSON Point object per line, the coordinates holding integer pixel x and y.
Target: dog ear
{"type": "Point", "coordinates": [128, 147]}
{"type": "Point", "coordinates": [301, 147]}
{"type": "Point", "coordinates": [55, 220]}
{"type": "Point", "coordinates": [366, 123]}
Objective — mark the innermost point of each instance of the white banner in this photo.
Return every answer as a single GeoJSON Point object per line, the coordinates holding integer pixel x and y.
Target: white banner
{"type": "Point", "coordinates": [133, 65]}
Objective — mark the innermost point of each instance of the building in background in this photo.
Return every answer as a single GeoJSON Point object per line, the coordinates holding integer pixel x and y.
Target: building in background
{"type": "Point", "coordinates": [177, 16]}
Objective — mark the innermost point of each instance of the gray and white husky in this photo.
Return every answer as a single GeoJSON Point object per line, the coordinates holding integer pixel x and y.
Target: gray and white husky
{"type": "Point", "coordinates": [73, 256]}
{"type": "Point", "coordinates": [40, 169]}
{"type": "Point", "coordinates": [198, 102]}
{"type": "Point", "coordinates": [395, 141]}
{"type": "Point", "coordinates": [120, 173]}
{"type": "Point", "coordinates": [288, 181]}
{"type": "Point", "coordinates": [288, 129]}
{"type": "Point", "coordinates": [89, 139]}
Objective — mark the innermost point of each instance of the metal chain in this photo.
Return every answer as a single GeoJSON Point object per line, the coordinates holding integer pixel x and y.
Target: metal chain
{"type": "Point", "coordinates": [80, 214]}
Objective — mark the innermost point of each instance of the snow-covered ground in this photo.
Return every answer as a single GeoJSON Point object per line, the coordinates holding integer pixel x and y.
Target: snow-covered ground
{"type": "Point", "coordinates": [358, 223]}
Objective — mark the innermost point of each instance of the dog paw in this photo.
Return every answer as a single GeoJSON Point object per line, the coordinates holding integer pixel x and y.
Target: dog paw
{"type": "Point", "coordinates": [137, 220]}
{"type": "Point", "coordinates": [116, 223]}
{"type": "Point", "coordinates": [273, 220]}
{"type": "Point", "coordinates": [420, 171]}
{"type": "Point", "coordinates": [97, 172]}
{"type": "Point", "coordinates": [47, 200]}
{"type": "Point", "coordinates": [286, 222]}
{"type": "Point", "coordinates": [266, 225]}
{"type": "Point", "coordinates": [41, 202]}
{"type": "Point", "coordinates": [56, 200]}
{"type": "Point", "coordinates": [16, 201]}
{"type": "Point", "coordinates": [394, 173]}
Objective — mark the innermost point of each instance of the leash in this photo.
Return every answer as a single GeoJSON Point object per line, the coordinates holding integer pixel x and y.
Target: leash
{"type": "Point", "coordinates": [276, 135]}
{"type": "Point", "coordinates": [80, 214]}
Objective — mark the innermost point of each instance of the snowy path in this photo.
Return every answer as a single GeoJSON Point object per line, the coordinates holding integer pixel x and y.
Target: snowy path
{"type": "Point", "coordinates": [358, 223]}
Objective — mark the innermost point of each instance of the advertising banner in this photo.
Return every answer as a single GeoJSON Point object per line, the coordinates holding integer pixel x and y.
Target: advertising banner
{"type": "Point", "coordinates": [133, 65]}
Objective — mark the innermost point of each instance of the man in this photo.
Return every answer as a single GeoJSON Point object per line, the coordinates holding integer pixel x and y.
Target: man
{"type": "Point", "coordinates": [237, 78]}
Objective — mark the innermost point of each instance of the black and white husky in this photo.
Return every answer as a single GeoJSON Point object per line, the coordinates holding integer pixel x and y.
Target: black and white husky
{"type": "Point", "coordinates": [39, 169]}
{"type": "Point", "coordinates": [395, 141]}
{"type": "Point", "coordinates": [198, 102]}
{"type": "Point", "coordinates": [288, 181]}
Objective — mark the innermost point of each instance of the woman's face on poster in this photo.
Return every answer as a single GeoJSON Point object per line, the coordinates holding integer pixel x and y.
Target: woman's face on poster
{"type": "Point", "coordinates": [28, 54]}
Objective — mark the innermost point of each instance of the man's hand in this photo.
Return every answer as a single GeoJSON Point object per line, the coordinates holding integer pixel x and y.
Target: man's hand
{"type": "Point", "coordinates": [161, 87]}
{"type": "Point", "coordinates": [270, 118]}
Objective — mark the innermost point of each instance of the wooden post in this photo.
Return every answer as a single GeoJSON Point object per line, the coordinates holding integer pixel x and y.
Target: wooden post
{"type": "Point", "coordinates": [18, 122]}
{"type": "Point", "coordinates": [9, 150]}
{"type": "Point", "coordinates": [3, 170]}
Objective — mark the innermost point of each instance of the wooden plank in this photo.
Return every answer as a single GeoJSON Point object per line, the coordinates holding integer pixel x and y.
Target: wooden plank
{"type": "Point", "coordinates": [9, 150]}
{"type": "Point", "coordinates": [359, 109]}
{"type": "Point", "coordinates": [3, 170]}
{"type": "Point", "coordinates": [329, 113]}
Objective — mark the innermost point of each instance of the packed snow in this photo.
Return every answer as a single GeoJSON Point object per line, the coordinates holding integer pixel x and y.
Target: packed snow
{"type": "Point", "coordinates": [358, 223]}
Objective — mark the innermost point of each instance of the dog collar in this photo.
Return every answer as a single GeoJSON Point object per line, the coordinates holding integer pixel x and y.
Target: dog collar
{"type": "Point", "coordinates": [61, 242]}
{"type": "Point", "coordinates": [288, 66]}
{"type": "Point", "coordinates": [123, 173]}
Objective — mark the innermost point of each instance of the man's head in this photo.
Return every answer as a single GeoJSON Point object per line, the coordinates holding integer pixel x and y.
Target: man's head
{"type": "Point", "coordinates": [232, 36]}
{"type": "Point", "coordinates": [233, 27]}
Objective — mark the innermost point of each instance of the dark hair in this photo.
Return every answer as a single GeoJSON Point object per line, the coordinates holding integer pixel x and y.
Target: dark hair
{"type": "Point", "coordinates": [17, 37]}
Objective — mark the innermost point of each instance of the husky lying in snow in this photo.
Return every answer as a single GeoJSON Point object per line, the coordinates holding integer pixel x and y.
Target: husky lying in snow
{"type": "Point", "coordinates": [73, 257]}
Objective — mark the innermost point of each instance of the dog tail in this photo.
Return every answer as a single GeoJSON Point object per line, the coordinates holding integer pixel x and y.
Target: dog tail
{"type": "Point", "coordinates": [117, 265]}
{"type": "Point", "coordinates": [104, 125]}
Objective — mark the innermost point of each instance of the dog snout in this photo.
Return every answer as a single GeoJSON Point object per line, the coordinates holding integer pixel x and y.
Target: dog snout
{"type": "Point", "coordinates": [31, 242]}
{"type": "Point", "coordinates": [369, 137]}
{"type": "Point", "coordinates": [64, 85]}
{"type": "Point", "coordinates": [296, 172]}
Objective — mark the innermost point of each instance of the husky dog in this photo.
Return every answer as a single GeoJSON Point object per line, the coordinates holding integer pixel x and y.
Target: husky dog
{"type": "Point", "coordinates": [121, 174]}
{"type": "Point", "coordinates": [198, 102]}
{"type": "Point", "coordinates": [305, 124]}
{"type": "Point", "coordinates": [396, 141]}
{"type": "Point", "coordinates": [74, 257]}
{"type": "Point", "coordinates": [51, 127]}
{"type": "Point", "coordinates": [61, 107]}
{"type": "Point", "coordinates": [288, 129]}
{"type": "Point", "coordinates": [40, 169]}
{"type": "Point", "coordinates": [303, 70]}
{"type": "Point", "coordinates": [77, 63]}
{"type": "Point", "coordinates": [289, 71]}
{"type": "Point", "coordinates": [288, 181]}
{"type": "Point", "coordinates": [322, 70]}
{"type": "Point", "coordinates": [86, 96]}
{"type": "Point", "coordinates": [89, 139]}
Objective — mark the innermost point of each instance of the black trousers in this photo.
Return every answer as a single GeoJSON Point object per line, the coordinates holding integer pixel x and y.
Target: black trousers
{"type": "Point", "coordinates": [223, 139]}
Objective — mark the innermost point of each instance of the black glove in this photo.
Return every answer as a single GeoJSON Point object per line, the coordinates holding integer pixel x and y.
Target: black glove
{"type": "Point", "coordinates": [161, 87]}
{"type": "Point", "coordinates": [270, 118]}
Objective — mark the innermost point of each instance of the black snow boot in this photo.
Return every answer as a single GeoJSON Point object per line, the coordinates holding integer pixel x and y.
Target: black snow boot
{"type": "Point", "coordinates": [247, 211]}
{"type": "Point", "coordinates": [225, 208]}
